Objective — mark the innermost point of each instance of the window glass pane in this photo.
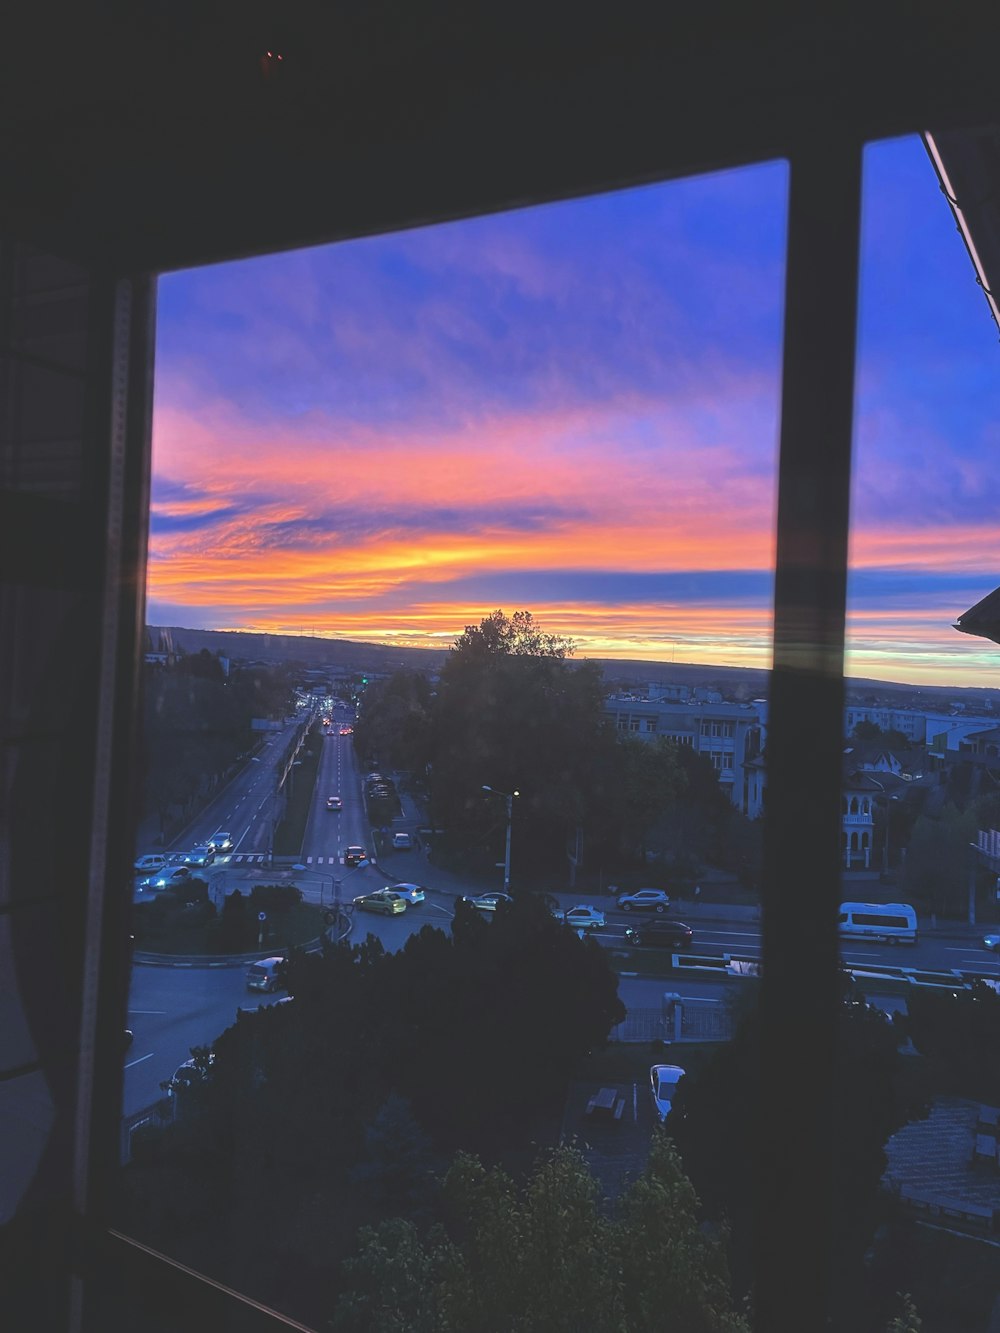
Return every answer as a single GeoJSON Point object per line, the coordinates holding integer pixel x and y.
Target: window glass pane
{"type": "Point", "coordinates": [919, 781]}
{"type": "Point", "coordinates": [361, 451]}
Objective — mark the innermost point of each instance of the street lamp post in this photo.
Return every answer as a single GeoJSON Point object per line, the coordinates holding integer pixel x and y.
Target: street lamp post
{"type": "Point", "coordinates": [885, 836]}
{"type": "Point", "coordinates": [509, 799]}
{"type": "Point", "coordinates": [973, 867]}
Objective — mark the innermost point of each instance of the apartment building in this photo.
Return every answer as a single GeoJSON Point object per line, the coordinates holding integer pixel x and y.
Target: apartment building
{"type": "Point", "coordinates": [729, 735]}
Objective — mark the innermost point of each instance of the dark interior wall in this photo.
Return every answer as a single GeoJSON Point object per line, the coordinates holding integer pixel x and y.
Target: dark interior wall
{"type": "Point", "coordinates": [74, 358]}
{"type": "Point", "coordinates": [154, 136]}
{"type": "Point", "coordinates": [136, 138]}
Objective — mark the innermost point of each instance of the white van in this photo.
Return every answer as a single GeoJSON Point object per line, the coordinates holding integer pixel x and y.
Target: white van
{"type": "Point", "coordinates": [267, 975]}
{"type": "Point", "coordinates": [888, 923]}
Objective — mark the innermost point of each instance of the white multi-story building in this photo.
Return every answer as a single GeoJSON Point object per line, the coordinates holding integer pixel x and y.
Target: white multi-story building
{"type": "Point", "coordinates": [729, 735]}
{"type": "Point", "coordinates": [939, 731]}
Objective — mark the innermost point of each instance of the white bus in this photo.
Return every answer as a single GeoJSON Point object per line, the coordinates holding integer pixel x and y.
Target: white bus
{"type": "Point", "coordinates": [890, 923]}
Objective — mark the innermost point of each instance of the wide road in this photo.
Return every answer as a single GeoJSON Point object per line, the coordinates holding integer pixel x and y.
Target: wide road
{"type": "Point", "coordinates": [247, 805]}
{"type": "Point", "coordinates": [172, 1009]}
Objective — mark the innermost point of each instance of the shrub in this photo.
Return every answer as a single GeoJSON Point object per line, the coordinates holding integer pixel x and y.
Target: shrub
{"type": "Point", "coordinates": [274, 898]}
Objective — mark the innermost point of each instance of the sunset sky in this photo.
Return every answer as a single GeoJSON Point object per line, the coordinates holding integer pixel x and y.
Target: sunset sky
{"type": "Point", "coordinates": [573, 410]}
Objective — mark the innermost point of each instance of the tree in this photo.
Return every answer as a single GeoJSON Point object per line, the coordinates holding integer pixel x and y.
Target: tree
{"type": "Point", "coordinates": [651, 779]}
{"type": "Point", "coordinates": [546, 1257]}
{"type": "Point", "coordinates": [715, 1133]}
{"type": "Point", "coordinates": [959, 1033]}
{"type": "Point", "coordinates": [499, 635]}
{"type": "Point", "coordinates": [395, 720]}
{"type": "Point", "coordinates": [907, 1321]}
{"type": "Point", "coordinates": [396, 1168]}
{"type": "Point", "coordinates": [513, 714]}
{"type": "Point", "coordinates": [867, 731]}
{"type": "Point", "coordinates": [938, 859]}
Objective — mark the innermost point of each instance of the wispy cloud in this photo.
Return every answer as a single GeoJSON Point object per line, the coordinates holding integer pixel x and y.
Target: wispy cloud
{"type": "Point", "coordinates": [572, 409]}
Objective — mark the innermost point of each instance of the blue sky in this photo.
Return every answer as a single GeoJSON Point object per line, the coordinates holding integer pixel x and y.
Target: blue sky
{"type": "Point", "coordinates": [573, 409]}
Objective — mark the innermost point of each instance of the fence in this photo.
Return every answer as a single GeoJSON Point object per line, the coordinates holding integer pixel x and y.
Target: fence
{"type": "Point", "coordinates": [161, 1112]}
{"type": "Point", "coordinates": [686, 1018]}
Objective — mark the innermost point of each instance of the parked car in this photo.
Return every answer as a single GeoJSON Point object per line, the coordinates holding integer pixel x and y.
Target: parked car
{"type": "Point", "coordinates": [221, 841]}
{"type": "Point", "coordinates": [145, 865]}
{"type": "Point", "coordinates": [334, 803]}
{"type": "Point", "coordinates": [584, 918]}
{"type": "Point", "coordinates": [353, 856]}
{"type": "Point", "coordinates": [663, 1081]}
{"type": "Point", "coordinates": [187, 1076]}
{"type": "Point", "coordinates": [402, 841]}
{"type": "Point", "coordinates": [644, 900]}
{"type": "Point", "coordinates": [992, 942]}
{"type": "Point", "coordinates": [661, 934]}
{"type": "Point", "coordinates": [487, 902]}
{"type": "Point", "coordinates": [267, 975]}
{"type": "Point", "coordinates": [413, 893]}
{"type": "Point", "coordinates": [382, 900]}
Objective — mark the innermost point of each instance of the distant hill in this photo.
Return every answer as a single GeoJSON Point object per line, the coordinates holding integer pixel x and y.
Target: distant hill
{"type": "Point", "coordinates": [341, 655]}
{"type": "Point", "coordinates": [336, 654]}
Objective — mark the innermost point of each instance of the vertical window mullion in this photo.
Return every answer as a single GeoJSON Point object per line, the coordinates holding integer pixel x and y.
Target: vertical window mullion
{"type": "Point", "coordinates": [801, 883]}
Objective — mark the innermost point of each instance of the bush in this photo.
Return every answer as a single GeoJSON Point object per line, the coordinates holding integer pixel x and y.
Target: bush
{"type": "Point", "coordinates": [274, 898]}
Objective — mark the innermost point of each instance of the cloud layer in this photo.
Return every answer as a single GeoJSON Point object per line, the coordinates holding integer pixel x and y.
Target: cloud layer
{"type": "Point", "coordinates": [571, 409]}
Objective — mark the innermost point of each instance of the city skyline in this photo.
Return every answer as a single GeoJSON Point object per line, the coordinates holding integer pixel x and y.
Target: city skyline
{"type": "Point", "coordinates": [572, 409]}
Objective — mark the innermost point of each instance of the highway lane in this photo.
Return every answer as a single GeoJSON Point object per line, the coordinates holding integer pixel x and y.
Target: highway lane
{"type": "Point", "coordinates": [170, 1011]}
{"type": "Point", "coordinates": [245, 807]}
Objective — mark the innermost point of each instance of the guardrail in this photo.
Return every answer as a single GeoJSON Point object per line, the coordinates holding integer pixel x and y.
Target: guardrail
{"type": "Point", "coordinates": [160, 1113]}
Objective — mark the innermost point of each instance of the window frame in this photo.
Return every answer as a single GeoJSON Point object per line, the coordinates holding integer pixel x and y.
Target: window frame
{"type": "Point", "coordinates": [806, 701]}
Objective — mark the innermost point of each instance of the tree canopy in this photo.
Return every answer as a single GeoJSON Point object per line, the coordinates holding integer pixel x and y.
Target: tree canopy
{"type": "Point", "coordinates": [545, 1258]}
{"type": "Point", "coordinates": [513, 713]}
{"type": "Point", "coordinates": [715, 1123]}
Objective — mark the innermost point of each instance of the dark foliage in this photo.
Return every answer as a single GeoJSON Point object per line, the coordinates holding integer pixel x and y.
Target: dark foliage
{"type": "Point", "coordinates": [715, 1123]}
{"type": "Point", "coordinates": [959, 1033]}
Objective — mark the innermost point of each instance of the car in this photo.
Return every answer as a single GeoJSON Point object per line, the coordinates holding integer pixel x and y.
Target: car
{"type": "Point", "coordinates": [644, 900]}
{"type": "Point", "coordinates": [663, 1081]}
{"type": "Point", "coordinates": [402, 841]}
{"type": "Point", "coordinates": [583, 917]}
{"type": "Point", "coordinates": [268, 974]}
{"type": "Point", "coordinates": [202, 854]}
{"type": "Point", "coordinates": [353, 856]}
{"type": "Point", "coordinates": [992, 942]}
{"type": "Point", "coordinates": [664, 934]}
{"type": "Point", "coordinates": [347, 731]}
{"type": "Point", "coordinates": [188, 1075]}
{"type": "Point", "coordinates": [221, 841]}
{"type": "Point", "coordinates": [168, 878]}
{"type": "Point", "coordinates": [334, 803]}
{"type": "Point", "coordinates": [382, 900]}
{"type": "Point", "coordinates": [144, 865]}
{"type": "Point", "coordinates": [413, 893]}
{"type": "Point", "coordinates": [487, 902]}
